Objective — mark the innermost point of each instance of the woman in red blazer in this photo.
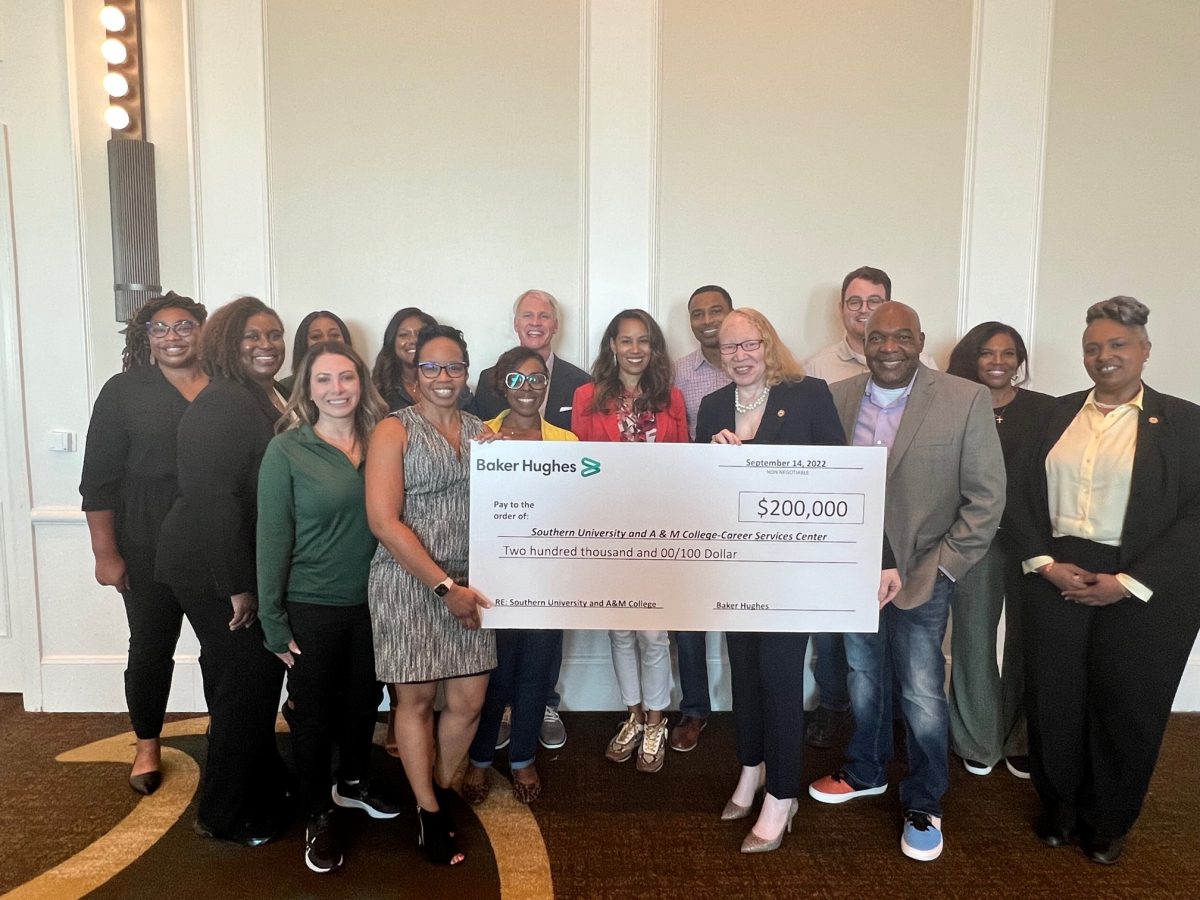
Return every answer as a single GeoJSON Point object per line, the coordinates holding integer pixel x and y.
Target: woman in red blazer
{"type": "Point", "coordinates": [631, 399]}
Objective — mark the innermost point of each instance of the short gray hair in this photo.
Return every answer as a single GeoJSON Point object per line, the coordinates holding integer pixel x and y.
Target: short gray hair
{"type": "Point", "coordinates": [544, 295]}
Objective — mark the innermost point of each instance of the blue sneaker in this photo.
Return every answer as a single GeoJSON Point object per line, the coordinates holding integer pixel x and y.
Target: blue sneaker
{"type": "Point", "coordinates": [922, 838]}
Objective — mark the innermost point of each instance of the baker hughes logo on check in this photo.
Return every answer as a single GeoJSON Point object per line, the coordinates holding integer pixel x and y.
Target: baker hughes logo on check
{"type": "Point", "coordinates": [586, 467]}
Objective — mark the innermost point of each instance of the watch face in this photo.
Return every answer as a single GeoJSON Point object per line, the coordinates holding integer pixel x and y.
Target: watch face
{"type": "Point", "coordinates": [441, 589]}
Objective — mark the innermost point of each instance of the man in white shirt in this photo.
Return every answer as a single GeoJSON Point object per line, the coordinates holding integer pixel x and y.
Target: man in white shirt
{"type": "Point", "coordinates": [863, 291]}
{"type": "Point", "coordinates": [697, 375]}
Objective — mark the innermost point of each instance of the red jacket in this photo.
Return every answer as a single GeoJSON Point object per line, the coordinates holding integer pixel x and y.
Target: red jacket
{"type": "Point", "coordinates": [671, 423]}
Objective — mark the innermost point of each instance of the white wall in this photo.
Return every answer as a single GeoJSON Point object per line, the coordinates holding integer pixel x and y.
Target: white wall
{"type": "Point", "coordinates": [1011, 159]}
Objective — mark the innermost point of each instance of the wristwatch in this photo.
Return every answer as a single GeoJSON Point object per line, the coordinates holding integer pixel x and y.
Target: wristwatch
{"type": "Point", "coordinates": [442, 588]}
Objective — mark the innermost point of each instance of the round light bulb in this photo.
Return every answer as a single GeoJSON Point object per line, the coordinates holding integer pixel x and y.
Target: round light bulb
{"type": "Point", "coordinates": [117, 118]}
{"type": "Point", "coordinates": [112, 19]}
{"type": "Point", "coordinates": [114, 51]}
{"type": "Point", "coordinates": [116, 84]}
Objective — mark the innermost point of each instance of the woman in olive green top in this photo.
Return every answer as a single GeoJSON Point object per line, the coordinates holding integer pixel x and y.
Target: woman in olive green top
{"type": "Point", "coordinates": [314, 553]}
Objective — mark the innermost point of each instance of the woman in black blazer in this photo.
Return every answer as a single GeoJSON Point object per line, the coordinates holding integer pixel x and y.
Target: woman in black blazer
{"type": "Point", "coordinates": [206, 554]}
{"type": "Point", "coordinates": [769, 402]}
{"type": "Point", "coordinates": [1110, 524]}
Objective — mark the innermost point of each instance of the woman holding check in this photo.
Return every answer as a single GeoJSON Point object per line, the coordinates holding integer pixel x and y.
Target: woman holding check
{"type": "Point", "coordinates": [631, 399]}
{"type": "Point", "coordinates": [523, 656]}
{"type": "Point", "coordinates": [769, 402]}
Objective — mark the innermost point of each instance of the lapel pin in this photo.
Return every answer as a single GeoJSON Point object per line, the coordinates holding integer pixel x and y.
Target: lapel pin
{"type": "Point", "coordinates": [781, 414]}
{"type": "Point", "coordinates": [1153, 420]}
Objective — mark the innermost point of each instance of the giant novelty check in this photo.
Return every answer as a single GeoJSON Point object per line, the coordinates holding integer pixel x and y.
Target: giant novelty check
{"type": "Point", "coordinates": [690, 537]}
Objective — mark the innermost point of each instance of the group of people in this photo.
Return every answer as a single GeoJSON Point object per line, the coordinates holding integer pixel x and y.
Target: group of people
{"type": "Point", "coordinates": [320, 528]}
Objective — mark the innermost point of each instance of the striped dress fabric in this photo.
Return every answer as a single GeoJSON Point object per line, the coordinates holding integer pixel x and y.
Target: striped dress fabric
{"type": "Point", "coordinates": [416, 637]}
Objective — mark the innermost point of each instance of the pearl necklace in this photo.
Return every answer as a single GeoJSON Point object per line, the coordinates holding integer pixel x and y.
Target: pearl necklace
{"type": "Point", "coordinates": [749, 407]}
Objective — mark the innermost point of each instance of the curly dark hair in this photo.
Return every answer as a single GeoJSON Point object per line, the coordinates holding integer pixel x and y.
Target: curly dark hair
{"type": "Point", "coordinates": [137, 341]}
{"type": "Point", "coordinates": [508, 362]}
{"type": "Point", "coordinates": [964, 358]}
{"type": "Point", "coordinates": [386, 371]}
{"type": "Point", "coordinates": [655, 381]}
{"type": "Point", "coordinates": [221, 339]}
{"type": "Point", "coordinates": [300, 341]}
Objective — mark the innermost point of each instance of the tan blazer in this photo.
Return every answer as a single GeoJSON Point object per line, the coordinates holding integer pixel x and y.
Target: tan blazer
{"type": "Point", "coordinates": [945, 477]}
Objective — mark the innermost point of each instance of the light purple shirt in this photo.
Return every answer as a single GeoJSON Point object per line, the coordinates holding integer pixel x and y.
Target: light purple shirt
{"type": "Point", "coordinates": [880, 414]}
{"type": "Point", "coordinates": [696, 378]}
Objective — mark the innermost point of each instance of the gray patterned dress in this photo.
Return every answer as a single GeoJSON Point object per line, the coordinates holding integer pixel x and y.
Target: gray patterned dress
{"type": "Point", "coordinates": [416, 637]}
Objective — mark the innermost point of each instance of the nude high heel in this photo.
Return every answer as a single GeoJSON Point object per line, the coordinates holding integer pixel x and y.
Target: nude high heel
{"type": "Point", "coordinates": [754, 844]}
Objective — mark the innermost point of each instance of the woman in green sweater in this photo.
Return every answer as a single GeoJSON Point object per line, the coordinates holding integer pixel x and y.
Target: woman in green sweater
{"type": "Point", "coordinates": [314, 555]}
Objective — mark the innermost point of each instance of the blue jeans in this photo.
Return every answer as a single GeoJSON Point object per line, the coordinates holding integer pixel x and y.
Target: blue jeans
{"type": "Point", "coordinates": [692, 650]}
{"type": "Point", "coordinates": [911, 639]}
{"type": "Point", "coordinates": [831, 672]}
{"type": "Point", "coordinates": [523, 657]}
{"type": "Point", "coordinates": [553, 697]}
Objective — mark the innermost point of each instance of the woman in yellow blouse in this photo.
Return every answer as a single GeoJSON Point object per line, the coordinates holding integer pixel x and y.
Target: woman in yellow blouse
{"type": "Point", "coordinates": [1110, 524]}
{"type": "Point", "coordinates": [523, 656]}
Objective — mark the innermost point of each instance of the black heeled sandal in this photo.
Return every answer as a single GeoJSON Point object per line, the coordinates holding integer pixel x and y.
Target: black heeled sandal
{"type": "Point", "coordinates": [437, 839]}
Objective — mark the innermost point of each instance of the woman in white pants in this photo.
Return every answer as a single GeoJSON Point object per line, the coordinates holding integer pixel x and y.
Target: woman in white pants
{"type": "Point", "coordinates": [631, 399]}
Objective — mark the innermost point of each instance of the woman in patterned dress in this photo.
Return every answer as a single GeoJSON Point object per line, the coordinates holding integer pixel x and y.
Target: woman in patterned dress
{"type": "Point", "coordinates": [424, 615]}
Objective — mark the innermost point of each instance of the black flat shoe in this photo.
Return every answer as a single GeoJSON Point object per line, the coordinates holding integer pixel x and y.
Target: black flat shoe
{"type": "Point", "coordinates": [251, 834]}
{"type": "Point", "coordinates": [1105, 851]}
{"type": "Point", "coordinates": [1053, 833]}
{"type": "Point", "coordinates": [146, 783]}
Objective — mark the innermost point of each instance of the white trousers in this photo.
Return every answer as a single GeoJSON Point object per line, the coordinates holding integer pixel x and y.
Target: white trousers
{"type": "Point", "coordinates": [642, 661]}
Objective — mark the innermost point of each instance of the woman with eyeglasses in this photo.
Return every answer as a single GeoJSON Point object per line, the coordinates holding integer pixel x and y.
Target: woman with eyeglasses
{"type": "Point", "coordinates": [206, 553]}
{"type": "Point", "coordinates": [128, 485]}
{"type": "Point", "coordinates": [424, 614]}
{"type": "Point", "coordinates": [769, 401]}
{"type": "Point", "coordinates": [631, 399]}
{"type": "Point", "coordinates": [523, 656]}
{"type": "Point", "coordinates": [319, 325]}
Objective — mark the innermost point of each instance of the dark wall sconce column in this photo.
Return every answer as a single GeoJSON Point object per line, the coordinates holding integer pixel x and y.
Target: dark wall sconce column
{"type": "Point", "coordinates": [131, 185]}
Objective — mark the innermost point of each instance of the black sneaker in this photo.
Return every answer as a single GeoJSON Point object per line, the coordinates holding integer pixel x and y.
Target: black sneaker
{"type": "Point", "coordinates": [359, 796]}
{"type": "Point", "coordinates": [1018, 766]}
{"type": "Point", "coordinates": [826, 727]}
{"type": "Point", "coordinates": [322, 853]}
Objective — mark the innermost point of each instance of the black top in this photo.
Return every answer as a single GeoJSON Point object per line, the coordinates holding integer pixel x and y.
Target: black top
{"type": "Point", "coordinates": [559, 395]}
{"type": "Point", "coordinates": [129, 460]}
{"type": "Point", "coordinates": [1023, 420]}
{"type": "Point", "coordinates": [796, 412]}
{"type": "Point", "coordinates": [206, 545]}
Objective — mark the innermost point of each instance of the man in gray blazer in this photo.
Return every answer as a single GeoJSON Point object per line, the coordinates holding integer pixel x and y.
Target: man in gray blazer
{"type": "Point", "coordinates": [945, 496]}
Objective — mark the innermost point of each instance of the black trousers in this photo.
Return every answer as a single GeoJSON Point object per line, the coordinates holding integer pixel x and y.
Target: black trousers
{"type": "Point", "coordinates": [155, 617]}
{"type": "Point", "coordinates": [1099, 686]}
{"type": "Point", "coordinates": [245, 779]}
{"type": "Point", "coordinates": [767, 681]}
{"type": "Point", "coordinates": [335, 696]}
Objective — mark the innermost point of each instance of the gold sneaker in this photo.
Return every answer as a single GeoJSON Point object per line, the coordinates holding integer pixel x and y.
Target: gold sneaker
{"type": "Point", "coordinates": [654, 747]}
{"type": "Point", "coordinates": [621, 747]}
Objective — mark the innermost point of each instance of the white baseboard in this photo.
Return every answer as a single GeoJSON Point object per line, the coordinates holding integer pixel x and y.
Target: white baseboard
{"type": "Point", "coordinates": [96, 684]}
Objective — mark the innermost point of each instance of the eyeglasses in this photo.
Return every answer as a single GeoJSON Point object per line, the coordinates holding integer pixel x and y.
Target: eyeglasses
{"type": "Point", "coordinates": [856, 303]}
{"type": "Point", "coordinates": [183, 328]}
{"type": "Point", "coordinates": [432, 370]}
{"type": "Point", "coordinates": [748, 346]}
{"type": "Point", "coordinates": [537, 381]}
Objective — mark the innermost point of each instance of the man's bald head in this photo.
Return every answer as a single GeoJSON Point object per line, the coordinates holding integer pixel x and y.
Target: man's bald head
{"type": "Point", "coordinates": [893, 344]}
